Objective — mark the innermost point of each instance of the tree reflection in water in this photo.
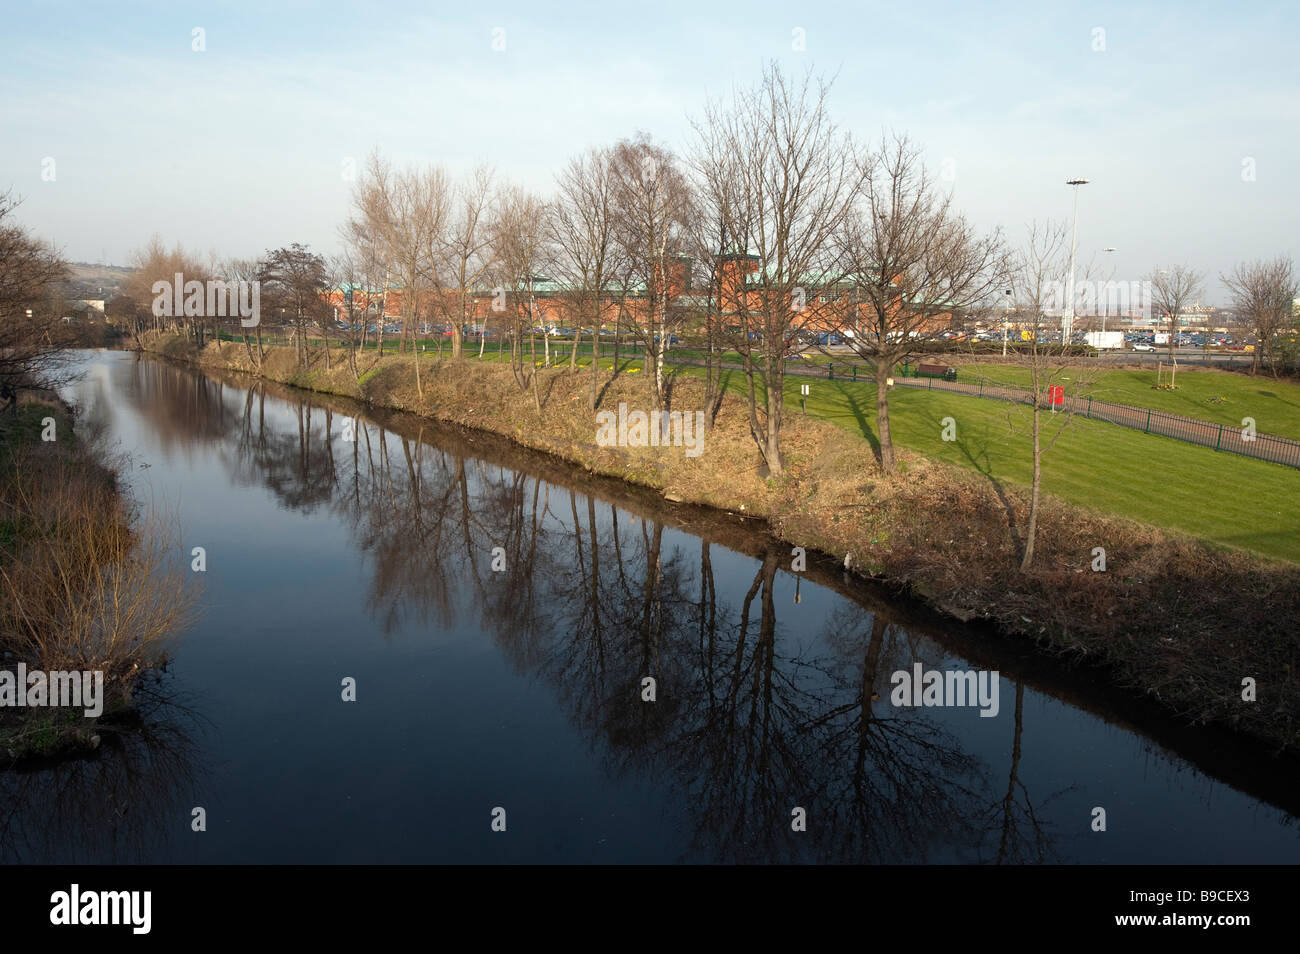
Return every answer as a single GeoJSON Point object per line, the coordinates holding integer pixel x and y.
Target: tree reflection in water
{"type": "Point", "coordinates": [117, 805]}
{"type": "Point", "coordinates": [754, 714]}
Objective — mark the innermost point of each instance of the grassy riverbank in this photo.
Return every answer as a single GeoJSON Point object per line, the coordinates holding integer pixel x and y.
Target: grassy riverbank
{"type": "Point", "coordinates": [1185, 488]}
{"type": "Point", "coordinates": [1171, 616]}
{"type": "Point", "coordinates": [82, 583]}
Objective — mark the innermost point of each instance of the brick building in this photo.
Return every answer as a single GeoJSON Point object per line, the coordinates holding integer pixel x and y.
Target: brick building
{"type": "Point", "coordinates": [736, 278]}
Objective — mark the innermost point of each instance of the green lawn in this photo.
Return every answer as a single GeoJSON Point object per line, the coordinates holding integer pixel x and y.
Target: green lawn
{"type": "Point", "coordinates": [1218, 497]}
{"type": "Point", "coordinates": [1223, 397]}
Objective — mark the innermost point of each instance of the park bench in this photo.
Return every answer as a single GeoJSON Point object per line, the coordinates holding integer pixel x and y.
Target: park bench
{"type": "Point", "coordinates": [936, 371]}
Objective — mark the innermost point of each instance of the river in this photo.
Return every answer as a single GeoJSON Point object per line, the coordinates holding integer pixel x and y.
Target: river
{"type": "Point", "coordinates": [499, 613]}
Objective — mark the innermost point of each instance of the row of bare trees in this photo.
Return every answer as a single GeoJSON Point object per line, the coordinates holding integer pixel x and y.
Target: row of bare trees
{"type": "Point", "coordinates": [293, 284]}
{"type": "Point", "coordinates": [779, 222]}
{"type": "Point", "coordinates": [774, 227]}
{"type": "Point", "coordinates": [1263, 294]}
{"type": "Point", "coordinates": [774, 221]}
{"type": "Point", "coordinates": [155, 262]}
{"type": "Point", "coordinates": [615, 230]}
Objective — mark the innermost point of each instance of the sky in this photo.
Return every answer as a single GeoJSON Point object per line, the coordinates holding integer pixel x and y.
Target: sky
{"type": "Point", "coordinates": [1184, 117]}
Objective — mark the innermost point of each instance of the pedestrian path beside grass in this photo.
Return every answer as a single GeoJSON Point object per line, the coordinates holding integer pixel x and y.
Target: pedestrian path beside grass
{"type": "Point", "coordinates": [1163, 482]}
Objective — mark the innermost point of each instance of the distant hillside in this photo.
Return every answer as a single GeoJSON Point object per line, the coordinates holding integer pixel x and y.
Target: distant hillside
{"type": "Point", "coordinates": [85, 271]}
{"type": "Point", "coordinates": [95, 281]}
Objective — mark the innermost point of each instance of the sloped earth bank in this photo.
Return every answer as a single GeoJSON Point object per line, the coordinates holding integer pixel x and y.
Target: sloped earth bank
{"type": "Point", "coordinates": [1172, 617]}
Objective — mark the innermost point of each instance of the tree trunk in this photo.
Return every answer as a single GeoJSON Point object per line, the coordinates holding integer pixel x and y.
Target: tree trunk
{"type": "Point", "coordinates": [884, 368]}
{"type": "Point", "coordinates": [711, 381]}
{"type": "Point", "coordinates": [595, 369]}
{"type": "Point", "coordinates": [772, 454]}
{"type": "Point", "coordinates": [415, 356]}
{"type": "Point", "coordinates": [516, 359]}
{"type": "Point", "coordinates": [1032, 530]}
{"type": "Point", "coordinates": [659, 369]}
{"type": "Point", "coordinates": [532, 372]}
{"type": "Point", "coordinates": [618, 326]}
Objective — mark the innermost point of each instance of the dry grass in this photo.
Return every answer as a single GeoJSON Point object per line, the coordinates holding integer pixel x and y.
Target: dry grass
{"type": "Point", "coordinates": [83, 585]}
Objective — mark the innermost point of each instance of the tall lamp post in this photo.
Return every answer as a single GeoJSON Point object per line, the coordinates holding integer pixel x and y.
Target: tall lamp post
{"type": "Point", "coordinates": [1006, 324]}
{"type": "Point", "coordinates": [1067, 325]}
{"type": "Point", "coordinates": [1104, 308]}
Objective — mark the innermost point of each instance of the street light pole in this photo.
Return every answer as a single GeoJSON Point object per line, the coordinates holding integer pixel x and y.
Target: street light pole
{"type": "Point", "coordinates": [1006, 324]}
{"type": "Point", "coordinates": [1067, 324]}
{"type": "Point", "coordinates": [1106, 308]}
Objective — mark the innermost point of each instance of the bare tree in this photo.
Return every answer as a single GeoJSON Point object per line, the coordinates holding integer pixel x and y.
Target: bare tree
{"type": "Point", "coordinates": [1173, 290]}
{"type": "Point", "coordinates": [407, 213]}
{"type": "Point", "coordinates": [348, 278]}
{"type": "Point", "coordinates": [782, 179]}
{"type": "Point", "coordinates": [582, 228]}
{"type": "Point", "coordinates": [294, 279]}
{"type": "Point", "coordinates": [1264, 293]}
{"type": "Point", "coordinates": [520, 250]}
{"type": "Point", "coordinates": [914, 265]}
{"type": "Point", "coordinates": [371, 226]}
{"type": "Point", "coordinates": [1035, 273]}
{"type": "Point", "coordinates": [30, 325]}
{"type": "Point", "coordinates": [466, 251]}
{"type": "Point", "coordinates": [422, 213]}
{"type": "Point", "coordinates": [653, 204]}
{"type": "Point", "coordinates": [367, 259]}
{"type": "Point", "coordinates": [154, 263]}
{"type": "Point", "coordinates": [716, 166]}
{"type": "Point", "coordinates": [245, 270]}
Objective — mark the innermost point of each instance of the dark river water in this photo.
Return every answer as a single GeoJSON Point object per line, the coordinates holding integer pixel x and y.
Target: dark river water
{"type": "Point", "coordinates": [522, 688]}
